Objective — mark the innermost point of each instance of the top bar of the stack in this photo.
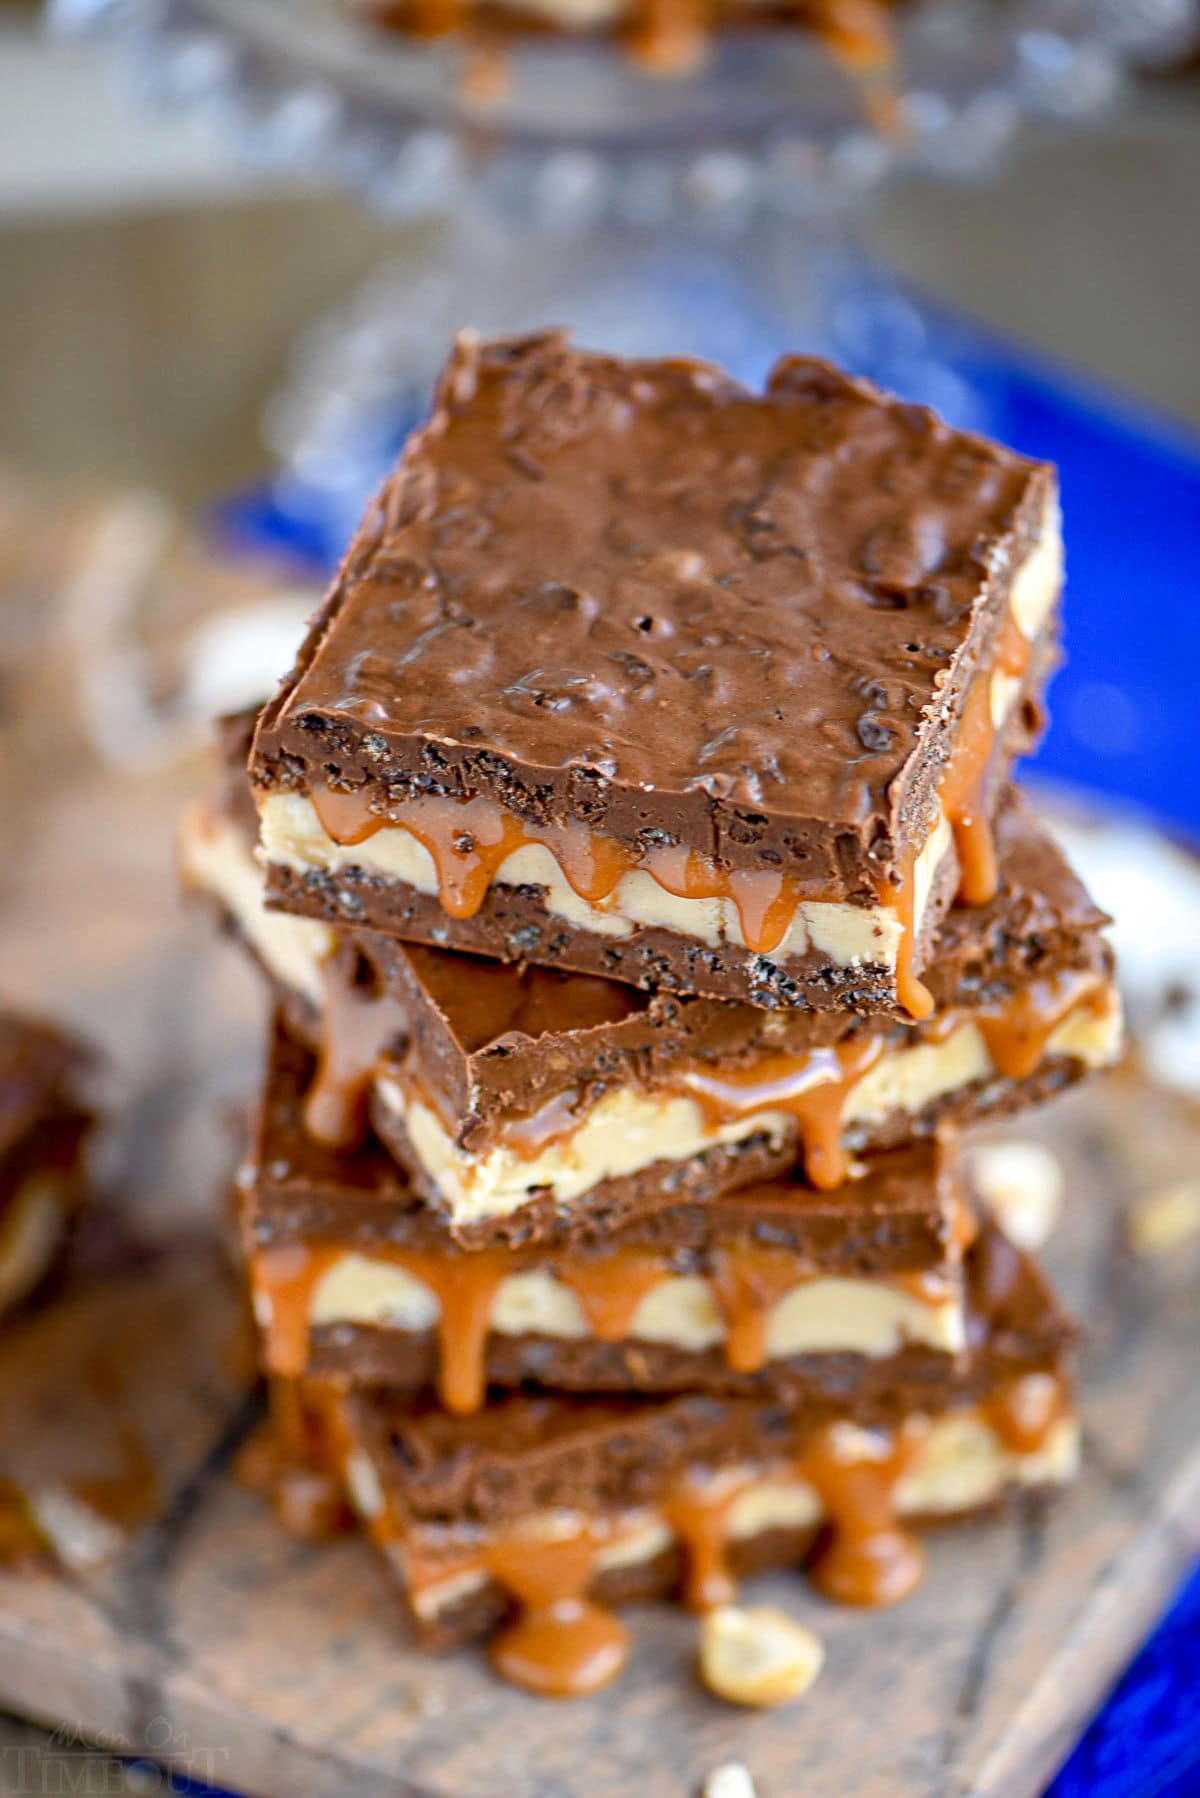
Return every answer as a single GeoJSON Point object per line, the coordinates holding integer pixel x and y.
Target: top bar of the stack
{"type": "Point", "coordinates": [635, 672]}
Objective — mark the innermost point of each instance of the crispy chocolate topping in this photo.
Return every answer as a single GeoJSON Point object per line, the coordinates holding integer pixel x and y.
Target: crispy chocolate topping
{"type": "Point", "coordinates": [637, 597]}
{"type": "Point", "coordinates": [497, 1040]}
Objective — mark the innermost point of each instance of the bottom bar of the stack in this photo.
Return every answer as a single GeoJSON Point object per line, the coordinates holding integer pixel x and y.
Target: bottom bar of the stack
{"type": "Point", "coordinates": [529, 1519]}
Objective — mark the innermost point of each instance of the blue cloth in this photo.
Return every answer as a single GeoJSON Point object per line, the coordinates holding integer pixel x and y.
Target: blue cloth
{"type": "Point", "coordinates": [1126, 723]}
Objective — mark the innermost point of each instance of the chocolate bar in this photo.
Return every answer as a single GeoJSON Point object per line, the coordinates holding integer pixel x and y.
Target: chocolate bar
{"type": "Point", "coordinates": [634, 672]}
{"type": "Point", "coordinates": [511, 1094]}
{"type": "Point", "coordinates": [44, 1121]}
{"type": "Point", "coordinates": [775, 1285]}
{"type": "Point", "coordinates": [541, 1507]}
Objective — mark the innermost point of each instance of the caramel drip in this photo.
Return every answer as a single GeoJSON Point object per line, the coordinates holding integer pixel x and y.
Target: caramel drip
{"type": "Point", "coordinates": [963, 787]}
{"type": "Point", "coordinates": [962, 794]}
{"type": "Point", "coordinates": [560, 1645]}
{"type": "Point", "coordinates": [1024, 1411]}
{"type": "Point", "coordinates": [463, 1285]}
{"type": "Point", "coordinates": [749, 1278]}
{"type": "Point", "coordinates": [357, 1026]}
{"type": "Point", "coordinates": [1017, 1030]}
{"type": "Point", "coordinates": [913, 995]}
{"type": "Point", "coordinates": [766, 902]}
{"type": "Point", "coordinates": [866, 1557]}
{"type": "Point", "coordinates": [811, 1088]}
{"type": "Point", "coordinates": [469, 841]}
{"type": "Point", "coordinates": [611, 1287]}
{"type": "Point", "coordinates": [284, 1463]}
{"type": "Point", "coordinates": [288, 1274]}
{"type": "Point", "coordinates": [697, 1510]}
{"type": "Point", "coordinates": [551, 1123]}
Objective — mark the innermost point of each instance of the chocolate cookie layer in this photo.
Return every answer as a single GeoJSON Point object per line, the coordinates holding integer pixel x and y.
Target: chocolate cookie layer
{"type": "Point", "coordinates": [633, 670]}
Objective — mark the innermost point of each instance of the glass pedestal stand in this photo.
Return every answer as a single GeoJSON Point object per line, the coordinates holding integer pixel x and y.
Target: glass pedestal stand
{"type": "Point", "coordinates": [711, 216]}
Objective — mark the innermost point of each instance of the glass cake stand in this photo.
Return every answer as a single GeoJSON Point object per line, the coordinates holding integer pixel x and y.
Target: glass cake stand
{"type": "Point", "coordinates": [712, 214]}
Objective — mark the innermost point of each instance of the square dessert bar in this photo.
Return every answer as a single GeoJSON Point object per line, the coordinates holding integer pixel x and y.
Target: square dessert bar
{"type": "Point", "coordinates": [512, 1094]}
{"type": "Point", "coordinates": [44, 1121]}
{"type": "Point", "coordinates": [632, 671]}
{"type": "Point", "coordinates": [776, 1285]}
{"type": "Point", "coordinates": [542, 1499]}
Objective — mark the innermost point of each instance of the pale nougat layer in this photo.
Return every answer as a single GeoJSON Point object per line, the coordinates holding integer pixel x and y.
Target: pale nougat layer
{"type": "Point", "coordinates": [611, 1133]}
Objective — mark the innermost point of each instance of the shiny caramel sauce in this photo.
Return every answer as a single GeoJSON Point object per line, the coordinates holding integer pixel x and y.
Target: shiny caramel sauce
{"type": "Point", "coordinates": [914, 996]}
{"type": "Point", "coordinates": [963, 788]}
{"type": "Point", "coordinates": [748, 1284]}
{"type": "Point", "coordinates": [866, 1556]}
{"type": "Point", "coordinates": [1017, 1029]}
{"type": "Point", "coordinates": [697, 1510]}
{"type": "Point", "coordinates": [812, 1089]}
{"type": "Point", "coordinates": [463, 1285]}
{"type": "Point", "coordinates": [469, 840]}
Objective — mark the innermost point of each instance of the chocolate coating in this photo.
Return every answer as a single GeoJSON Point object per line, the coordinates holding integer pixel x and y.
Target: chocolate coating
{"type": "Point", "coordinates": [898, 1217]}
{"type": "Point", "coordinates": [638, 596]}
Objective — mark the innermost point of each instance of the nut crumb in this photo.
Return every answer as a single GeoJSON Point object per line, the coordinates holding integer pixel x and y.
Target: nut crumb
{"type": "Point", "coordinates": [757, 1656]}
{"type": "Point", "coordinates": [729, 1781]}
{"type": "Point", "coordinates": [1166, 1220]}
{"type": "Point", "coordinates": [1022, 1184]}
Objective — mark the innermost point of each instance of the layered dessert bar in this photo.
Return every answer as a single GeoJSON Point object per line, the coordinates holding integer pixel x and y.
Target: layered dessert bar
{"type": "Point", "coordinates": [513, 1094]}
{"type": "Point", "coordinates": [634, 672]}
{"type": "Point", "coordinates": [776, 1285]}
{"type": "Point", "coordinates": [666, 37]}
{"type": "Point", "coordinates": [540, 1511]}
{"type": "Point", "coordinates": [44, 1121]}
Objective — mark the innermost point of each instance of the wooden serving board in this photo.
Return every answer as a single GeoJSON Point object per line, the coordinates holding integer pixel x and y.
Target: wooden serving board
{"type": "Point", "coordinates": [215, 1642]}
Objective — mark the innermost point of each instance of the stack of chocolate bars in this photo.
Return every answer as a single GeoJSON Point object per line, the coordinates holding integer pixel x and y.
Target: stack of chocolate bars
{"type": "Point", "coordinates": [646, 906]}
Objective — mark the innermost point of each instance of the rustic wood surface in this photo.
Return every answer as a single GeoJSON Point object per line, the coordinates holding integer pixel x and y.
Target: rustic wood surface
{"type": "Point", "coordinates": [219, 1644]}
